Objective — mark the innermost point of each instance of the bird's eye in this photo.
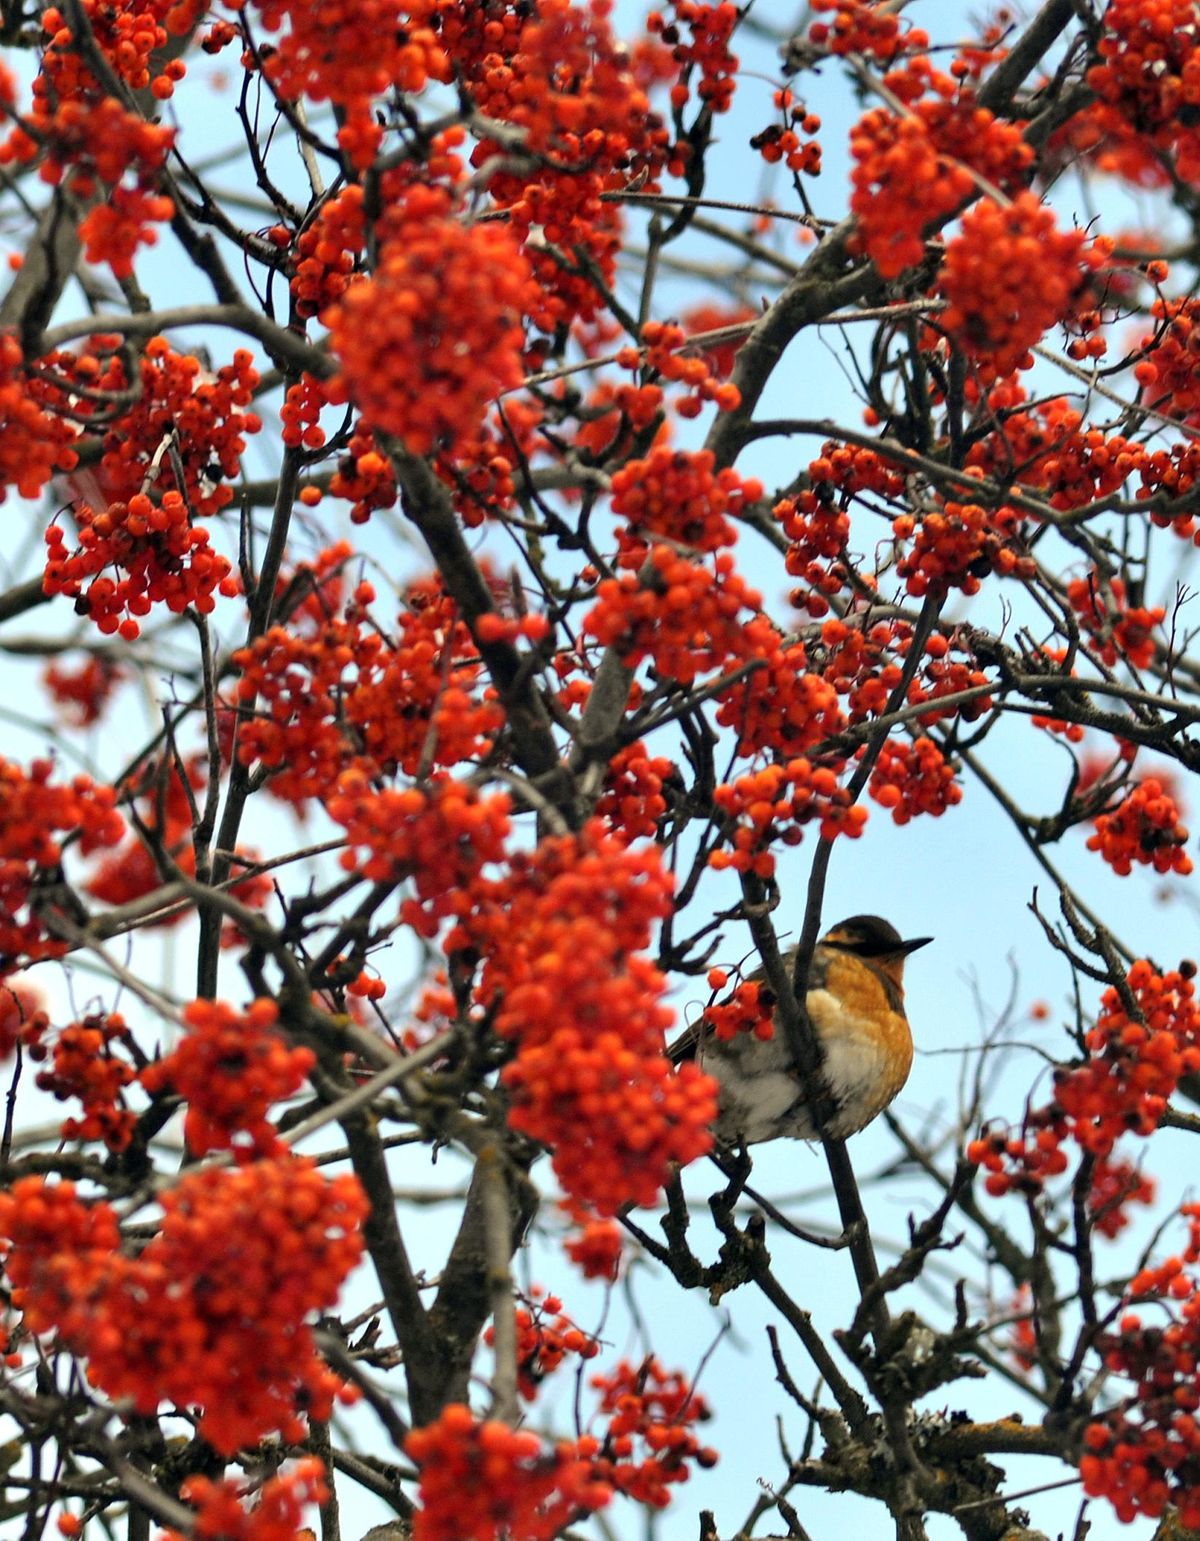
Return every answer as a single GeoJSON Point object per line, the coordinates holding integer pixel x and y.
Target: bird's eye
{"type": "Point", "coordinates": [865, 947]}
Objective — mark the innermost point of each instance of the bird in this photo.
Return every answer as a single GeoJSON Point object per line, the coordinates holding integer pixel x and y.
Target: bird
{"type": "Point", "coordinates": [855, 1001]}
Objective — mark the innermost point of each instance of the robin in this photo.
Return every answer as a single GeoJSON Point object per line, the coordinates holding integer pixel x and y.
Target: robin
{"type": "Point", "coordinates": [855, 1001]}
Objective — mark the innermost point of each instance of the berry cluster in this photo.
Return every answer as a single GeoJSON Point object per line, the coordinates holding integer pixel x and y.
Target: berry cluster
{"type": "Point", "coordinates": [915, 169]}
{"type": "Point", "coordinates": [1115, 1185]}
{"type": "Point", "coordinates": [562, 935]}
{"type": "Point", "coordinates": [34, 443]}
{"type": "Point", "coordinates": [652, 1409]}
{"type": "Point", "coordinates": [1116, 629]}
{"type": "Point", "coordinates": [314, 700]}
{"type": "Point", "coordinates": [426, 697]}
{"type": "Point", "coordinates": [438, 836]}
{"type": "Point", "coordinates": [782, 705]}
{"type": "Point", "coordinates": [33, 811]}
{"type": "Point", "coordinates": [543, 1344]}
{"type": "Point", "coordinates": [157, 550]}
{"type": "Point", "coordinates": [1133, 1065]}
{"type": "Point", "coordinates": [171, 401]}
{"type": "Point", "coordinates": [674, 495]}
{"type": "Point", "coordinates": [944, 675]}
{"type": "Point", "coordinates": [85, 1066]}
{"type": "Point", "coordinates": [212, 1312]}
{"type": "Point", "coordinates": [1149, 77]}
{"type": "Point", "coordinates": [290, 703]}
{"type": "Point", "coordinates": [959, 544]}
{"type": "Point", "coordinates": [665, 355]}
{"type": "Point", "coordinates": [397, 333]}
{"type": "Point", "coordinates": [869, 27]}
{"type": "Point", "coordinates": [632, 801]}
{"type": "Point", "coordinates": [818, 532]}
{"type": "Point", "coordinates": [1022, 1160]}
{"type": "Point", "coordinates": [817, 523]}
{"type": "Point", "coordinates": [163, 557]}
{"type": "Point", "coordinates": [708, 54]}
{"type": "Point", "coordinates": [860, 663]}
{"type": "Point", "coordinates": [230, 1067]}
{"type": "Point", "coordinates": [128, 36]}
{"type": "Point", "coordinates": [480, 469]}
{"type": "Point", "coordinates": [1008, 276]}
{"type": "Point", "coordinates": [749, 1009]}
{"type": "Point", "coordinates": [208, 414]}
{"type": "Point", "coordinates": [82, 693]}
{"type": "Point", "coordinates": [772, 805]}
{"type": "Point", "coordinates": [683, 615]}
{"type": "Point", "coordinates": [483, 1480]}
{"type": "Point", "coordinates": [1144, 1453]}
{"type": "Point", "coordinates": [88, 138]}
{"type": "Point", "coordinates": [325, 250]}
{"type": "Point", "coordinates": [300, 414]}
{"type": "Point", "coordinates": [114, 230]}
{"type": "Point", "coordinates": [333, 52]}
{"type": "Point", "coordinates": [277, 1515]}
{"type": "Point", "coordinates": [348, 51]}
{"type": "Point", "coordinates": [557, 74]}
{"type": "Point", "coordinates": [1046, 447]}
{"type": "Point", "coordinates": [1144, 829]}
{"type": "Point", "coordinates": [1172, 472]}
{"type": "Point", "coordinates": [913, 777]}
{"type": "Point", "coordinates": [480, 1481]}
{"type": "Point", "coordinates": [595, 1249]}
{"type": "Point", "coordinates": [57, 1250]}
{"type": "Point", "coordinates": [1170, 372]}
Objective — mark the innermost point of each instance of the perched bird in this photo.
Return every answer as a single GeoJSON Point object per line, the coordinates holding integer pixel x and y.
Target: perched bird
{"type": "Point", "coordinates": [855, 1002]}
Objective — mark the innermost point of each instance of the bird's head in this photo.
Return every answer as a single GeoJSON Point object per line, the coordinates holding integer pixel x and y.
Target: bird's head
{"type": "Point", "coordinates": [875, 939]}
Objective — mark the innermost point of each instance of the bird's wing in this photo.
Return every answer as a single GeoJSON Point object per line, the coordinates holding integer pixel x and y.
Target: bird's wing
{"type": "Point", "coordinates": [818, 969]}
{"type": "Point", "coordinates": [687, 1045]}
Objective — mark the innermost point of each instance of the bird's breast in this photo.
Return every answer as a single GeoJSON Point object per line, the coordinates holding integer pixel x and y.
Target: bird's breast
{"type": "Point", "coordinates": [868, 1055]}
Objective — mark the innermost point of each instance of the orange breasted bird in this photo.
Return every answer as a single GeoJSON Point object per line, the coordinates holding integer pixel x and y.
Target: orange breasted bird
{"type": "Point", "coordinates": [855, 1001]}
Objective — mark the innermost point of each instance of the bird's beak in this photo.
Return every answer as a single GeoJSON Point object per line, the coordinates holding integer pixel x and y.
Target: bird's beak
{"type": "Point", "coordinates": [905, 948]}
